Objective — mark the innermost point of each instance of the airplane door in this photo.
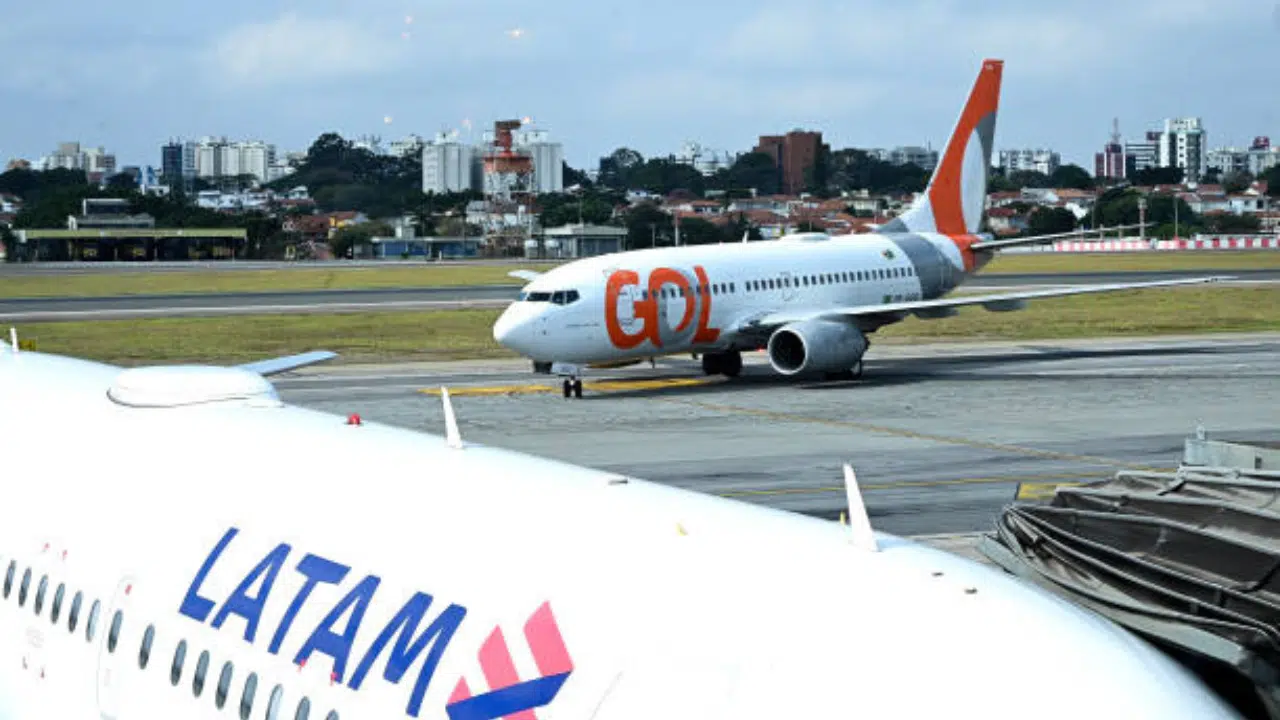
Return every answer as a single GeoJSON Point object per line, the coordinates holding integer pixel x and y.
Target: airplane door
{"type": "Point", "coordinates": [112, 665]}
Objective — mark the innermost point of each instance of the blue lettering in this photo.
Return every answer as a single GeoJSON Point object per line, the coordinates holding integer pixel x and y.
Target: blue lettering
{"type": "Point", "coordinates": [250, 608]}
{"type": "Point", "coordinates": [194, 606]}
{"type": "Point", "coordinates": [317, 570]}
{"type": "Point", "coordinates": [438, 634]}
{"type": "Point", "coordinates": [332, 644]}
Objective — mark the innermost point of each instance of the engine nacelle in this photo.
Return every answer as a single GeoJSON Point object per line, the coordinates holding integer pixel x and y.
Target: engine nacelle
{"type": "Point", "coordinates": [816, 346]}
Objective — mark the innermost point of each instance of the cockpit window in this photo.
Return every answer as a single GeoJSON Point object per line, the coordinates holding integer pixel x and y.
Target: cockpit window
{"type": "Point", "coordinates": [558, 297]}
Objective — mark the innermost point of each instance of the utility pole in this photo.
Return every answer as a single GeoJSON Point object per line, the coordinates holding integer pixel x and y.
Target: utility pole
{"type": "Point", "coordinates": [1142, 218]}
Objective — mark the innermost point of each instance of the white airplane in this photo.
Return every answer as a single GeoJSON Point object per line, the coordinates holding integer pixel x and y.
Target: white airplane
{"type": "Point", "coordinates": [809, 299]}
{"type": "Point", "coordinates": [177, 542]}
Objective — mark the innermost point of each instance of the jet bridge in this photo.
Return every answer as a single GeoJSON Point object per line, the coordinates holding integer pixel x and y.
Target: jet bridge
{"type": "Point", "coordinates": [1189, 560]}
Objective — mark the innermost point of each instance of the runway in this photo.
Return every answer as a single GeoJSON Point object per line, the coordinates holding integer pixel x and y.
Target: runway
{"type": "Point", "coordinates": [472, 296]}
{"type": "Point", "coordinates": [941, 436]}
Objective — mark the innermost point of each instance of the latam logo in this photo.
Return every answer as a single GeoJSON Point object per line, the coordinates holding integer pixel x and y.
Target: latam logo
{"type": "Point", "coordinates": [635, 310]}
{"type": "Point", "coordinates": [365, 634]}
{"type": "Point", "coordinates": [508, 696]}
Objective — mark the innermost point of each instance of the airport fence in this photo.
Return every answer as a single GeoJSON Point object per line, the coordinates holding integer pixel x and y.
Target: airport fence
{"type": "Point", "coordinates": [1134, 244]}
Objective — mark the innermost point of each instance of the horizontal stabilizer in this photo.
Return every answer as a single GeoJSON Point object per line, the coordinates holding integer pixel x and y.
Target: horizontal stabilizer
{"type": "Point", "coordinates": [285, 364]}
{"type": "Point", "coordinates": [526, 275]}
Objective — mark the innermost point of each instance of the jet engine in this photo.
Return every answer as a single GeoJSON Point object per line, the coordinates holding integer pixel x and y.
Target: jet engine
{"type": "Point", "coordinates": [816, 346]}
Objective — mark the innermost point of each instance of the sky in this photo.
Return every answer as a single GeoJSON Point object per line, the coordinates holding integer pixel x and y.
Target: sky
{"type": "Point", "coordinates": [651, 76]}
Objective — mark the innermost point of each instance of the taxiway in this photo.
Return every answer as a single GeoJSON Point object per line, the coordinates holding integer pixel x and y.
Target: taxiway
{"type": "Point", "coordinates": [942, 436]}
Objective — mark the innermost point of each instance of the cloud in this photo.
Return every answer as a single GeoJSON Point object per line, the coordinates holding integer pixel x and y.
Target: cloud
{"type": "Point", "coordinates": [296, 50]}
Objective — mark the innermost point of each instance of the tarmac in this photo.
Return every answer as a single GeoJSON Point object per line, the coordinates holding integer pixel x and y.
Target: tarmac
{"type": "Point", "coordinates": [55, 309]}
{"type": "Point", "coordinates": [941, 436]}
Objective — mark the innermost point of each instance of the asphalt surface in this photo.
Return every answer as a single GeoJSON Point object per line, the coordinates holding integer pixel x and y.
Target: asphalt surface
{"type": "Point", "coordinates": [942, 437]}
{"type": "Point", "coordinates": [319, 301]}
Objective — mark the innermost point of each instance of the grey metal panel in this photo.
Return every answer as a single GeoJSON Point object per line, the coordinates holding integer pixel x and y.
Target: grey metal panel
{"type": "Point", "coordinates": [930, 264]}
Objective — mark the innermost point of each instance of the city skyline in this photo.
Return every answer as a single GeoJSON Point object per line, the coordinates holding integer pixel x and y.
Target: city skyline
{"type": "Point", "coordinates": [286, 73]}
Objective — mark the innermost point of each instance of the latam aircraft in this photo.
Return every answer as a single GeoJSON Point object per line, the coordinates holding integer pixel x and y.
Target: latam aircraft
{"type": "Point", "coordinates": [809, 299]}
{"type": "Point", "coordinates": [177, 542]}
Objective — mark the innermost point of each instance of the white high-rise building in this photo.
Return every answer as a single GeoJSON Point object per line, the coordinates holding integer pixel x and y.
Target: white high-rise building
{"type": "Point", "coordinates": [447, 166]}
{"type": "Point", "coordinates": [98, 160]}
{"type": "Point", "coordinates": [1182, 145]}
{"type": "Point", "coordinates": [1029, 160]}
{"type": "Point", "coordinates": [406, 146]}
{"type": "Point", "coordinates": [216, 157]}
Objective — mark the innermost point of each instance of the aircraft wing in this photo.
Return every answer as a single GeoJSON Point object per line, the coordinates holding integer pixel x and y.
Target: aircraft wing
{"type": "Point", "coordinates": [1040, 239]}
{"type": "Point", "coordinates": [278, 365]}
{"type": "Point", "coordinates": [997, 302]}
{"type": "Point", "coordinates": [526, 275]}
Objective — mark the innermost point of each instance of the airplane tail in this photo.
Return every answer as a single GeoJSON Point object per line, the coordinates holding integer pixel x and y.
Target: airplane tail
{"type": "Point", "coordinates": [955, 200]}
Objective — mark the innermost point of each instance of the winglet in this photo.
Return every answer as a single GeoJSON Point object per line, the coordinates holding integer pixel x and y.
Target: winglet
{"type": "Point", "coordinates": [526, 275]}
{"type": "Point", "coordinates": [452, 436]}
{"type": "Point", "coordinates": [863, 536]}
{"type": "Point", "coordinates": [13, 339]}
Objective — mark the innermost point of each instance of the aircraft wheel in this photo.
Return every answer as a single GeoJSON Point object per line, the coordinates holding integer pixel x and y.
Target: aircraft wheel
{"type": "Point", "coordinates": [711, 364]}
{"type": "Point", "coordinates": [577, 389]}
{"type": "Point", "coordinates": [731, 365]}
{"type": "Point", "coordinates": [856, 371]}
{"type": "Point", "coordinates": [568, 388]}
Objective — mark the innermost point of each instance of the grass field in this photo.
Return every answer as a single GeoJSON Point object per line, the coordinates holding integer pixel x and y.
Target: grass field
{"type": "Point", "coordinates": [458, 334]}
{"type": "Point", "coordinates": [232, 281]}
{"type": "Point", "coordinates": [400, 276]}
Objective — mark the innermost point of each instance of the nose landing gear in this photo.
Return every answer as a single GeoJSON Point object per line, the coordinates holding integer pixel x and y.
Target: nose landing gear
{"type": "Point", "coordinates": [573, 387]}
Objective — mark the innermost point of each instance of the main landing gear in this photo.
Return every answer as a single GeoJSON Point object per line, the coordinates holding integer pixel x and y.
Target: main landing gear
{"type": "Point", "coordinates": [573, 387]}
{"type": "Point", "coordinates": [728, 363]}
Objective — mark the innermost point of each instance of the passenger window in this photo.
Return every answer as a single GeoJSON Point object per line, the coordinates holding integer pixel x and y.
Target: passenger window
{"type": "Point", "coordinates": [273, 704]}
{"type": "Point", "coordinates": [731, 288]}
{"type": "Point", "coordinates": [144, 653]}
{"type": "Point", "coordinates": [113, 635]}
{"type": "Point", "coordinates": [22, 589]}
{"type": "Point", "coordinates": [202, 667]}
{"type": "Point", "coordinates": [91, 627]}
{"type": "Point", "coordinates": [56, 610]}
{"type": "Point", "coordinates": [40, 592]}
{"type": "Point", "coordinates": [304, 709]}
{"type": "Point", "coordinates": [8, 578]}
{"type": "Point", "coordinates": [246, 700]}
{"type": "Point", "coordinates": [74, 616]}
{"type": "Point", "coordinates": [224, 685]}
{"type": "Point", "coordinates": [179, 657]}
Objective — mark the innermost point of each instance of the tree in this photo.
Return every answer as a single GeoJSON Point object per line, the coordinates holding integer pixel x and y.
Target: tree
{"type": "Point", "coordinates": [574, 177]}
{"type": "Point", "coordinates": [664, 177]}
{"type": "Point", "coordinates": [1158, 176]}
{"type": "Point", "coordinates": [1212, 176]}
{"type": "Point", "coordinates": [647, 224]}
{"type": "Point", "coordinates": [10, 244]}
{"type": "Point", "coordinates": [615, 169]}
{"type": "Point", "coordinates": [1231, 223]}
{"type": "Point", "coordinates": [1029, 179]}
{"type": "Point", "coordinates": [1048, 221]}
{"type": "Point", "coordinates": [122, 181]}
{"type": "Point", "coordinates": [752, 171]}
{"type": "Point", "coordinates": [1236, 182]}
{"type": "Point", "coordinates": [1272, 178]}
{"type": "Point", "coordinates": [1071, 176]}
{"type": "Point", "coordinates": [345, 239]}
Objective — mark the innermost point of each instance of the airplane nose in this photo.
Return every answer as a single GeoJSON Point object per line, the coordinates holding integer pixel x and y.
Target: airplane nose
{"type": "Point", "coordinates": [511, 330]}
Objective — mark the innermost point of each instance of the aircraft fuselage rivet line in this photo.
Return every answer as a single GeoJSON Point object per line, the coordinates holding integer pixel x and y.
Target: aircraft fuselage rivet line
{"type": "Point", "coordinates": [912, 434]}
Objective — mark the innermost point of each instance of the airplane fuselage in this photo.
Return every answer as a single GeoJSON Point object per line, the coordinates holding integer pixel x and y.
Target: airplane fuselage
{"type": "Point", "coordinates": [664, 301]}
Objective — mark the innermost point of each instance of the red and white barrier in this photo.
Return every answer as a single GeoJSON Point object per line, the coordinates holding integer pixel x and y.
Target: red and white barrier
{"type": "Point", "coordinates": [1222, 242]}
{"type": "Point", "coordinates": [1200, 242]}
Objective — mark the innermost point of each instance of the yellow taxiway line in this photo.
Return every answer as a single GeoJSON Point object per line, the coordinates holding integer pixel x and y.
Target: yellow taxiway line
{"type": "Point", "coordinates": [1030, 487]}
{"type": "Point", "coordinates": [588, 385]}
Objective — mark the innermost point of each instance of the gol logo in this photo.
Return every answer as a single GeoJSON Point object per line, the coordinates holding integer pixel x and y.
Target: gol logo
{"type": "Point", "coordinates": [649, 307]}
